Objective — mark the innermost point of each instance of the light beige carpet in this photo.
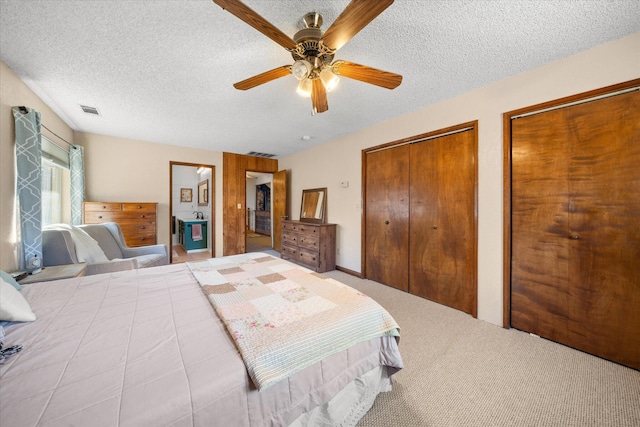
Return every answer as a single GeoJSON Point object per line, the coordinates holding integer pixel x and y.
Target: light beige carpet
{"type": "Point", "coordinates": [461, 371]}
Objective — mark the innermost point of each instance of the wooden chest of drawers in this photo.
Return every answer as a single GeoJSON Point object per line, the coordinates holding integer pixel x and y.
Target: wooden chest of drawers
{"type": "Point", "coordinates": [137, 220]}
{"type": "Point", "coordinates": [309, 244]}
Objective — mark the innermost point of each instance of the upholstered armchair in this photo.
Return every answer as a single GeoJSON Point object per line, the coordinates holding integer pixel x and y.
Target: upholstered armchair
{"type": "Point", "coordinates": [60, 246]}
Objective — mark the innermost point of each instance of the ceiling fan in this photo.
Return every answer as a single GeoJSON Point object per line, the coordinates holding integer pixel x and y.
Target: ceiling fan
{"type": "Point", "coordinates": [313, 50]}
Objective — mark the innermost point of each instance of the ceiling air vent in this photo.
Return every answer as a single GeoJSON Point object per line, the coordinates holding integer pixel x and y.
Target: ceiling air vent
{"type": "Point", "coordinates": [90, 110]}
{"type": "Point", "coordinates": [257, 154]}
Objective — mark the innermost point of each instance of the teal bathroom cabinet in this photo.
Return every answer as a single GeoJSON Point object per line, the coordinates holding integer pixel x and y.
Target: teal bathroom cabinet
{"type": "Point", "coordinates": [185, 234]}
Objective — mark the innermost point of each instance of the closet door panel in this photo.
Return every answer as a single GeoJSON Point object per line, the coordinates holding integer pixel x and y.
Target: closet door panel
{"type": "Point", "coordinates": [387, 216]}
{"type": "Point", "coordinates": [423, 245]}
{"type": "Point", "coordinates": [539, 221]}
{"type": "Point", "coordinates": [456, 221]}
{"type": "Point", "coordinates": [604, 224]}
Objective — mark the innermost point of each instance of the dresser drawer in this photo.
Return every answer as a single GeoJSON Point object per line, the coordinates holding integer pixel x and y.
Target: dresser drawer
{"type": "Point", "coordinates": [308, 257]}
{"type": "Point", "coordinates": [138, 229]}
{"type": "Point", "coordinates": [308, 242]}
{"type": "Point", "coordinates": [287, 226]}
{"type": "Point", "coordinates": [102, 207]}
{"type": "Point", "coordinates": [289, 252]}
{"type": "Point", "coordinates": [309, 230]}
{"type": "Point", "coordinates": [140, 239]}
{"type": "Point", "coordinates": [93, 217]}
{"type": "Point", "coordinates": [138, 207]}
{"type": "Point", "coordinates": [290, 238]}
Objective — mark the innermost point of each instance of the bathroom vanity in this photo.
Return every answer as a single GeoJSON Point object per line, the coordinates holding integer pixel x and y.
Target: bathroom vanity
{"type": "Point", "coordinates": [186, 233]}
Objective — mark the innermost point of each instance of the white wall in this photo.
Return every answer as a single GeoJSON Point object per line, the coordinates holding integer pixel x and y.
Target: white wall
{"type": "Point", "coordinates": [340, 160]}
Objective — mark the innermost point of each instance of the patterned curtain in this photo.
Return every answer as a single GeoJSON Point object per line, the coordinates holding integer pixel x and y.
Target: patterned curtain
{"type": "Point", "coordinates": [76, 168]}
{"type": "Point", "coordinates": [29, 162]}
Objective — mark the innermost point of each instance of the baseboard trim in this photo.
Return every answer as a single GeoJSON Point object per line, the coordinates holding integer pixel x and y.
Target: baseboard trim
{"type": "Point", "coordinates": [349, 272]}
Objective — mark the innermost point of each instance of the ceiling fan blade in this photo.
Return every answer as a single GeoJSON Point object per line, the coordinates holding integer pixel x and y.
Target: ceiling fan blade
{"type": "Point", "coordinates": [354, 18]}
{"type": "Point", "coordinates": [367, 74]}
{"type": "Point", "coordinates": [263, 78]}
{"type": "Point", "coordinates": [246, 14]}
{"type": "Point", "coordinates": [319, 96]}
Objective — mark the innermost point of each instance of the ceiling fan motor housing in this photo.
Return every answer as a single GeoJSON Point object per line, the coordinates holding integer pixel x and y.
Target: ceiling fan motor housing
{"type": "Point", "coordinates": [309, 46]}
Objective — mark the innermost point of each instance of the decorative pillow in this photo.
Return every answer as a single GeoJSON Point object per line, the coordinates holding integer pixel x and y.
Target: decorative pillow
{"type": "Point", "coordinates": [13, 306]}
{"type": "Point", "coordinates": [10, 280]}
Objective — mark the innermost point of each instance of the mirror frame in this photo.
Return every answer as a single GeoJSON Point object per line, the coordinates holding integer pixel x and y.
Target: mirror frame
{"type": "Point", "coordinates": [323, 206]}
{"type": "Point", "coordinates": [203, 193]}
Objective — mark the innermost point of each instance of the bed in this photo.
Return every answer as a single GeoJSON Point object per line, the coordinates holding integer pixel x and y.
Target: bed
{"type": "Point", "coordinates": [168, 346]}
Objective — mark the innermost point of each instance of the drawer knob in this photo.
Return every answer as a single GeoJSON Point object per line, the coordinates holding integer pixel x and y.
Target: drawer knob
{"type": "Point", "coordinates": [138, 207]}
{"type": "Point", "coordinates": [104, 207]}
{"type": "Point", "coordinates": [142, 238]}
{"type": "Point", "coordinates": [99, 216]}
{"type": "Point", "coordinates": [142, 216]}
{"type": "Point", "coordinates": [142, 227]}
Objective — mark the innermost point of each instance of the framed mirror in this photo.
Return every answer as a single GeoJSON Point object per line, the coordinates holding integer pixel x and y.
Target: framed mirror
{"type": "Point", "coordinates": [314, 205]}
{"type": "Point", "coordinates": [203, 193]}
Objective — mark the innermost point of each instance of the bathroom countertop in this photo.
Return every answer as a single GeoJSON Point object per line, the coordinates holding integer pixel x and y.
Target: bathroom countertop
{"type": "Point", "coordinates": [193, 220]}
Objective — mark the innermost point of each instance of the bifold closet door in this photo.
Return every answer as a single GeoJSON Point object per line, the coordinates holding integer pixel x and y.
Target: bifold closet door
{"type": "Point", "coordinates": [387, 216]}
{"type": "Point", "coordinates": [576, 226]}
{"type": "Point", "coordinates": [442, 254]}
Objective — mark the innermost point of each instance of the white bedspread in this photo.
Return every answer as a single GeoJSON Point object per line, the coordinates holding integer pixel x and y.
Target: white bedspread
{"type": "Point", "coordinates": [145, 348]}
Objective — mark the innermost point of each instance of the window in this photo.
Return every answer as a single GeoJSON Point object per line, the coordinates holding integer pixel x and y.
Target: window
{"type": "Point", "coordinates": [55, 184]}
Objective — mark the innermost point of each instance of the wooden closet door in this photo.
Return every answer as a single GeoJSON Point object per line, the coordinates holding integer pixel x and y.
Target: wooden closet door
{"type": "Point", "coordinates": [576, 226]}
{"type": "Point", "coordinates": [442, 231]}
{"type": "Point", "coordinates": [387, 216]}
{"type": "Point", "coordinates": [604, 224]}
{"type": "Point", "coordinates": [539, 222]}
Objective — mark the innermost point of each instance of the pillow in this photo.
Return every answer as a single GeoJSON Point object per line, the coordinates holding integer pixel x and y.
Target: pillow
{"type": "Point", "coordinates": [9, 279]}
{"type": "Point", "coordinates": [13, 306]}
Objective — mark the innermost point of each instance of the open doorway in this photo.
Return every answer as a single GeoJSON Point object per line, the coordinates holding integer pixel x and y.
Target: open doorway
{"type": "Point", "coordinates": [191, 203]}
{"type": "Point", "coordinates": [259, 218]}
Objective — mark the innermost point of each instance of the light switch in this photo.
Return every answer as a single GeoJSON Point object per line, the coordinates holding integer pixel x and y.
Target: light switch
{"type": "Point", "coordinates": [344, 184]}
{"type": "Point", "coordinates": [239, 205]}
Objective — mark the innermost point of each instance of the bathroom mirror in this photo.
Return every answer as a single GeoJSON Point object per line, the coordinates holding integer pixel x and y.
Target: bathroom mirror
{"type": "Point", "coordinates": [314, 205]}
{"type": "Point", "coordinates": [203, 193]}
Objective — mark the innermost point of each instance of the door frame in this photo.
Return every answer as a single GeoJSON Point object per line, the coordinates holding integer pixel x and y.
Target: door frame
{"type": "Point", "coordinates": [234, 197]}
{"type": "Point", "coordinates": [212, 198]}
{"type": "Point", "coordinates": [507, 117]}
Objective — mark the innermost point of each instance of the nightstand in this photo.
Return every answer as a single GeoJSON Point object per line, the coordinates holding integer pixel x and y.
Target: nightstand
{"type": "Point", "coordinates": [55, 272]}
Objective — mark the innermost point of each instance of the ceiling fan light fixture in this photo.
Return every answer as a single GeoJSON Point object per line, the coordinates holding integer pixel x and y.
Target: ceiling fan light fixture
{"type": "Point", "coordinates": [329, 79]}
{"type": "Point", "coordinates": [304, 88]}
{"type": "Point", "coordinates": [301, 69]}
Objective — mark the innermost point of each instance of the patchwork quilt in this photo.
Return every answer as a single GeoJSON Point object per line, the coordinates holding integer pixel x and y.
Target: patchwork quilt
{"type": "Point", "coordinates": [283, 317]}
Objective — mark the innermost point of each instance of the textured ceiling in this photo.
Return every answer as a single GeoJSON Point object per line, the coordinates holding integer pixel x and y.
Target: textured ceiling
{"type": "Point", "coordinates": [163, 70]}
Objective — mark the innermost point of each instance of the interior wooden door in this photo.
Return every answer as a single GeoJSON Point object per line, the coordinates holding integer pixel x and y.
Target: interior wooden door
{"type": "Point", "coordinates": [279, 206]}
{"type": "Point", "coordinates": [387, 216]}
{"type": "Point", "coordinates": [539, 222]}
{"type": "Point", "coordinates": [576, 226]}
{"type": "Point", "coordinates": [442, 226]}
